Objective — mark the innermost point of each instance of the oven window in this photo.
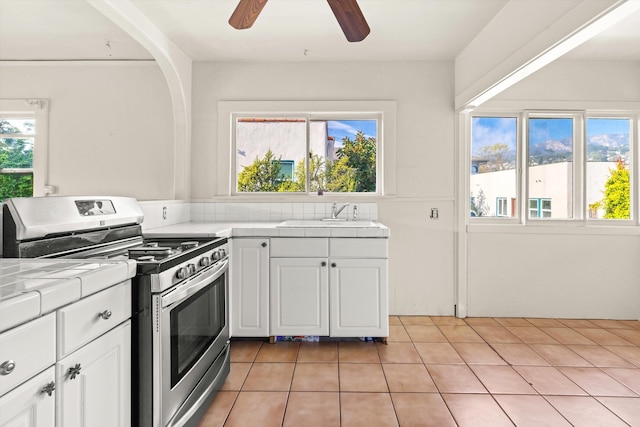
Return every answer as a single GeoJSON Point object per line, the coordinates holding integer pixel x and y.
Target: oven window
{"type": "Point", "coordinates": [195, 324]}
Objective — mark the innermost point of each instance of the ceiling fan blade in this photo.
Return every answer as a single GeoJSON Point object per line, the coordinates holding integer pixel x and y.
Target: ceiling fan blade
{"type": "Point", "coordinates": [246, 13]}
{"type": "Point", "coordinates": [350, 18]}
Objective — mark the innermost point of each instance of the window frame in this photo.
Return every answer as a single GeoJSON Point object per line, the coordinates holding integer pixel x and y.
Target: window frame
{"type": "Point", "coordinates": [579, 167]}
{"type": "Point", "coordinates": [499, 211]}
{"type": "Point", "coordinates": [516, 216]}
{"type": "Point", "coordinates": [308, 118]}
{"type": "Point", "coordinates": [384, 111]}
{"type": "Point", "coordinates": [39, 110]}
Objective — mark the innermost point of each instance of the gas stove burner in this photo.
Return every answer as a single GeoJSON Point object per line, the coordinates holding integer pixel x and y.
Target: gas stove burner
{"type": "Point", "coordinates": [151, 245]}
{"type": "Point", "coordinates": [188, 245]}
{"type": "Point", "coordinates": [154, 251]}
{"type": "Point", "coordinates": [144, 258]}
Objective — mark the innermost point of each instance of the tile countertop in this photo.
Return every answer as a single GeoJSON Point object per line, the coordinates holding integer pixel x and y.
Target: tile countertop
{"type": "Point", "coordinates": [261, 229]}
{"type": "Point", "coordinates": [30, 288]}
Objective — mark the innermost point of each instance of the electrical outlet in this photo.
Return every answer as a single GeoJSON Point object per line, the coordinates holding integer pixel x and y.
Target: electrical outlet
{"type": "Point", "coordinates": [164, 212]}
{"type": "Point", "coordinates": [434, 213]}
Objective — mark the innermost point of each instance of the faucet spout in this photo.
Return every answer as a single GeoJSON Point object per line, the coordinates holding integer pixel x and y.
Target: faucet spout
{"type": "Point", "coordinates": [335, 211]}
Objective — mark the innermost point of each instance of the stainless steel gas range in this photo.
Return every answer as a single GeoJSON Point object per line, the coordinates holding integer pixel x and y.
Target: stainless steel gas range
{"type": "Point", "coordinates": [180, 348]}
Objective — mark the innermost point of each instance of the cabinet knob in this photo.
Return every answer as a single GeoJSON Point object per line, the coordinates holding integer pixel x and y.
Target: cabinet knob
{"type": "Point", "coordinates": [323, 263]}
{"type": "Point", "coordinates": [333, 264]}
{"type": "Point", "coordinates": [105, 314]}
{"type": "Point", "coordinates": [264, 244]}
{"type": "Point", "coordinates": [7, 367]}
{"type": "Point", "coordinates": [74, 371]}
{"type": "Point", "coordinates": [49, 388]}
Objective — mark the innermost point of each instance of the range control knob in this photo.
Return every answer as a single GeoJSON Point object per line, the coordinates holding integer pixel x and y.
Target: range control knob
{"type": "Point", "coordinates": [223, 253]}
{"type": "Point", "coordinates": [216, 256]}
{"type": "Point", "coordinates": [191, 269]}
{"type": "Point", "coordinates": [182, 273]}
{"type": "Point", "coordinates": [204, 261]}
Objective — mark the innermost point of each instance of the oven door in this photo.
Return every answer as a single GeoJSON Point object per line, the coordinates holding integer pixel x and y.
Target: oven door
{"type": "Point", "coordinates": [192, 331]}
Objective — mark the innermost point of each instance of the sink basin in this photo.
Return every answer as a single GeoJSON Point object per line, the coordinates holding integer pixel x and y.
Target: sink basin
{"type": "Point", "coordinates": [328, 223]}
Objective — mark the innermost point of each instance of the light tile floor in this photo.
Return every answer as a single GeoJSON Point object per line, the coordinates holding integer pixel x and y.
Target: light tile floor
{"type": "Point", "coordinates": [441, 371]}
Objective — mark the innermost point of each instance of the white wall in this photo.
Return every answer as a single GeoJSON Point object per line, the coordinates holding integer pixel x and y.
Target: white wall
{"type": "Point", "coordinates": [110, 125]}
{"type": "Point", "coordinates": [421, 250]}
{"type": "Point", "coordinates": [560, 271]}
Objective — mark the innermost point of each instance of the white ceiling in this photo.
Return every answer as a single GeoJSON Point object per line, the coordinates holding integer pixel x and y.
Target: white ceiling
{"type": "Point", "coordinates": [287, 30]}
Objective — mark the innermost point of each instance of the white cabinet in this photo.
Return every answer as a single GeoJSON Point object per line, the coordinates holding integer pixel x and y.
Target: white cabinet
{"type": "Point", "coordinates": [249, 277]}
{"type": "Point", "coordinates": [329, 286]}
{"type": "Point", "coordinates": [299, 291]}
{"type": "Point", "coordinates": [359, 300]}
{"type": "Point", "coordinates": [71, 367]}
{"type": "Point", "coordinates": [94, 383]}
{"type": "Point", "coordinates": [30, 404]}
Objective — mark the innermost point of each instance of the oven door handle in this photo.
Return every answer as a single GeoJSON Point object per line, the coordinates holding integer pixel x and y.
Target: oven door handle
{"type": "Point", "coordinates": [194, 285]}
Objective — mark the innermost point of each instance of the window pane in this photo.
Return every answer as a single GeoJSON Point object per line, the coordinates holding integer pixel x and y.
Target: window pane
{"type": "Point", "coordinates": [493, 166]}
{"type": "Point", "coordinates": [343, 155]}
{"type": "Point", "coordinates": [608, 182]}
{"type": "Point", "coordinates": [550, 161]}
{"type": "Point", "coordinates": [267, 149]}
{"type": "Point", "coordinates": [16, 185]}
{"type": "Point", "coordinates": [16, 153]}
{"type": "Point", "coordinates": [22, 126]}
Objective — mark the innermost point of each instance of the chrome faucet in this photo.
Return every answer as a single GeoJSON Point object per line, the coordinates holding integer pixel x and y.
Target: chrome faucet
{"type": "Point", "coordinates": [335, 211]}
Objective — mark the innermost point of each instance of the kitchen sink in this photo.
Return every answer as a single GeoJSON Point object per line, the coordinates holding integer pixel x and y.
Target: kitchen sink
{"type": "Point", "coordinates": [327, 223]}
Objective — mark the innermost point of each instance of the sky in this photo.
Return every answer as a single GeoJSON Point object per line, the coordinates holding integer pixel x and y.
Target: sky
{"type": "Point", "coordinates": [493, 130]}
{"type": "Point", "coordinates": [341, 128]}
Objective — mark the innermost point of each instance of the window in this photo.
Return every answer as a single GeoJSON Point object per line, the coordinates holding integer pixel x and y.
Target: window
{"type": "Point", "coordinates": [575, 166]}
{"type": "Point", "coordinates": [550, 163]}
{"type": "Point", "coordinates": [539, 208]}
{"type": "Point", "coordinates": [501, 206]}
{"type": "Point", "coordinates": [493, 164]}
{"type": "Point", "coordinates": [608, 168]}
{"type": "Point", "coordinates": [305, 153]}
{"type": "Point", "coordinates": [21, 124]}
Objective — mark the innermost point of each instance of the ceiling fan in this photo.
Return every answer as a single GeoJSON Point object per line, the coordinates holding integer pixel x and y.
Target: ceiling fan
{"type": "Point", "coordinates": [347, 12]}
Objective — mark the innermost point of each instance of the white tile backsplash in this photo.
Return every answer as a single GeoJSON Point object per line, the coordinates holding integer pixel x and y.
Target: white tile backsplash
{"type": "Point", "coordinates": [178, 211]}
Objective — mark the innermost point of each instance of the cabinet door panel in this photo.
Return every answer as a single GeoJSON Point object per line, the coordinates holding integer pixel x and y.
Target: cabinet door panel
{"type": "Point", "coordinates": [27, 405]}
{"type": "Point", "coordinates": [100, 393]}
{"type": "Point", "coordinates": [299, 296]}
{"type": "Point", "coordinates": [359, 298]}
{"type": "Point", "coordinates": [249, 287]}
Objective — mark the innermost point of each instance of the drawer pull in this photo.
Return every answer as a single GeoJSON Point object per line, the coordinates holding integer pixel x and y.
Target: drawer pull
{"type": "Point", "coordinates": [334, 265]}
{"type": "Point", "coordinates": [7, 367]}
{"type": "Point", "coordinates": [323, 263]}
{"type": "Point", "coordinates": [49, 388]}
{"type": "Point", "coordinates": [74, 371]}
{"type": "Point", "coordinates": [105, 314]}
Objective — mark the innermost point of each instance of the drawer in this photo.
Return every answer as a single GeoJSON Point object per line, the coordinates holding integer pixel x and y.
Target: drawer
{"type": "Point", "coordinates": [359, 248]}
{"type": "Point", "coordinates": [299, 248]}
{"type": "Point", "coordinates": [31, 347]}
{"type": "Point", "coordinates": [85, 320]}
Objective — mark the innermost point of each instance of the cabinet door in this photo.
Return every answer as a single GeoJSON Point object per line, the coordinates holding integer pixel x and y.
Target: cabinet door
{"type": "Point", "coordinates": [99, 394]}
{"type": "Point", "coordinates": [299, 296]}
{"type": "Point", "coordinates": [359, 298]}
{"type": "Point", "coordinates": [28, 405]}
{"type": "Point", "coordinates": [249, 276]}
